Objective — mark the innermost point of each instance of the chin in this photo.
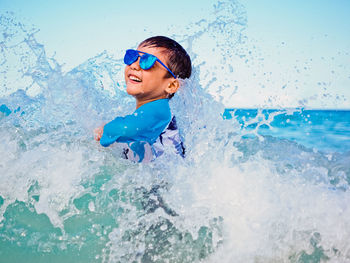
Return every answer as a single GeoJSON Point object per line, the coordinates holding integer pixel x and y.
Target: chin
{"type": "Point", "coordinates": [133, 91]}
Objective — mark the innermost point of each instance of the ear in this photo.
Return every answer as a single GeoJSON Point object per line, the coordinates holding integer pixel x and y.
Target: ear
{"type": "Point", "coordinates": [173, 86]}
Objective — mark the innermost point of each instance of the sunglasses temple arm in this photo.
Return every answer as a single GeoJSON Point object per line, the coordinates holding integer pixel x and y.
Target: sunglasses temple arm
{"type": "Point", "coordinates": [166, 68]}
{"type": "Point", "coordinates": [160, 63]}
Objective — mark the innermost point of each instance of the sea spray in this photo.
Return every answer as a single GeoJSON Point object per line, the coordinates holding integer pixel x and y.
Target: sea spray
{"type": "Point", "coordinates": [238, 196]}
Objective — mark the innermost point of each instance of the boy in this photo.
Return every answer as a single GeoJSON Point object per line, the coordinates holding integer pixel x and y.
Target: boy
{"type": "Point", "coordinates": [151, 76]}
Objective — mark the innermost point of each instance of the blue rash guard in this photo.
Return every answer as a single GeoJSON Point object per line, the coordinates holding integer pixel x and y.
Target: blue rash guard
{"type": "Point", "coordinates": [144, 131]}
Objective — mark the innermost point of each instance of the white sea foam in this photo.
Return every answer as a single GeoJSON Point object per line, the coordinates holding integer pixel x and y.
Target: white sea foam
{"type": "Point", "coordinates": [231, 199]}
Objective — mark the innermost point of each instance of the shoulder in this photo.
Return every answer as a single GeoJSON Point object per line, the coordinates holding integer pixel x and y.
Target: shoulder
{"type": "Point", "coordinates": [157, 110]}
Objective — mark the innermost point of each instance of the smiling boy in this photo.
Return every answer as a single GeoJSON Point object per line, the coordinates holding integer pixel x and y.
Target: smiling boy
{"type": "Point", "coordinates": [152, 75]}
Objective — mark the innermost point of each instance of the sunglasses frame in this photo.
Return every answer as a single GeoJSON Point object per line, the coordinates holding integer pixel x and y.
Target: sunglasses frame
{"type": "Point", "coordinates": [138, 55]}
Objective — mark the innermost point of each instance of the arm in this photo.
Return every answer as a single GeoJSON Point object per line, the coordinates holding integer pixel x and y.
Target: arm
{"type": "Point", "coordinates": [122, 129]}
{"type": "Point", "coordinates": [145, 125]}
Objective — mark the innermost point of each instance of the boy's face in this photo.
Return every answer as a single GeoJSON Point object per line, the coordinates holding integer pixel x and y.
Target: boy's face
{"type": "Point", "coordinates": [151, 84]}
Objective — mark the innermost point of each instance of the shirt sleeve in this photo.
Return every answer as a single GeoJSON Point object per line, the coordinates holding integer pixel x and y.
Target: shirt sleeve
{"type": "Point", "coordinates": [144, 125]}
{"type": "Point", "coordinates": [121, 129]}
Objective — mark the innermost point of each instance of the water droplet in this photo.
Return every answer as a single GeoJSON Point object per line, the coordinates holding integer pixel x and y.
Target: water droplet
{"type": "Point", "coordinates": [92, 206]}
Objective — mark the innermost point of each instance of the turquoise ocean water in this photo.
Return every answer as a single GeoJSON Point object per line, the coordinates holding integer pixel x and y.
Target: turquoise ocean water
{"type": "Point", "coordinates": [257, 185]}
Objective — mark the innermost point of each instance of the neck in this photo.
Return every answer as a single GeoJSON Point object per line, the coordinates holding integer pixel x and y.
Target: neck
{"type": "Point", "coordinates": [139, 103]}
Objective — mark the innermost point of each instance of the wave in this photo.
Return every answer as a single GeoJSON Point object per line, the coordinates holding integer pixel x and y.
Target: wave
{"type": "Point", "coordinates": [233, 198]}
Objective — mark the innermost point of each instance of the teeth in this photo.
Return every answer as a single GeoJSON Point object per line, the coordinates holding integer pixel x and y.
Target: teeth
{"type": "Point", "coordinates": [135, 78]}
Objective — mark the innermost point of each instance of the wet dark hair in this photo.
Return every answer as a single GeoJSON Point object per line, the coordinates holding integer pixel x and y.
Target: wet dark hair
{"type": "Point", "coordinates": [179, 62]}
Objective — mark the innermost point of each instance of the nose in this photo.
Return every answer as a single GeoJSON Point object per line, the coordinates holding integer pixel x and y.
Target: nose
{"type": "Point", "coordinates": [136, 64]}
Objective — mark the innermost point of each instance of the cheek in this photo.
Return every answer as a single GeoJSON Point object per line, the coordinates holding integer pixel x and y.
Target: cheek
{"type": "Point", "coordinates": [152, 78]}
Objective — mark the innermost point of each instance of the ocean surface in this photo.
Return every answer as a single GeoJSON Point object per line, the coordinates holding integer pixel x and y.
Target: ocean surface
{"type": "Point", "coordinates": [257, 185]}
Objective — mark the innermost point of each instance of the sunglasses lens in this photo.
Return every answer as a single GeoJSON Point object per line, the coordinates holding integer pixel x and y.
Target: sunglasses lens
{"type": "Point", "coordinates": [130, 56]}
{"type": "Point", "coordinates": [147, 61]}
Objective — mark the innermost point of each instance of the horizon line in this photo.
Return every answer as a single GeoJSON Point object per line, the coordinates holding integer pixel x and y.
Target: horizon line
{"type": "Point", "coordinates": [287, 108]}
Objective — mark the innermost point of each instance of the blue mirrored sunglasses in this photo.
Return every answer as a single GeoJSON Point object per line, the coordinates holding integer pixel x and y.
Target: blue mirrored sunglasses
{"type": "Point", "coordinates": [146, 60]}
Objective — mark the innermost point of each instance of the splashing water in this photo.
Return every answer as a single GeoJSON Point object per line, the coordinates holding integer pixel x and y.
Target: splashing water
{"type": "Point", "coordinates": [238, 196]}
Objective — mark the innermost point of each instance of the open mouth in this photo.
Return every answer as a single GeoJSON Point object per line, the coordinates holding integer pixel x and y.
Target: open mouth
{"type": "Point", "coordinates": [134, 78]}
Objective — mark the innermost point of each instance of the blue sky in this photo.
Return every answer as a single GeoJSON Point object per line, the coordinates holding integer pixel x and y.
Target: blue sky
{"type": "Point", "coordinates": [287, 34]}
